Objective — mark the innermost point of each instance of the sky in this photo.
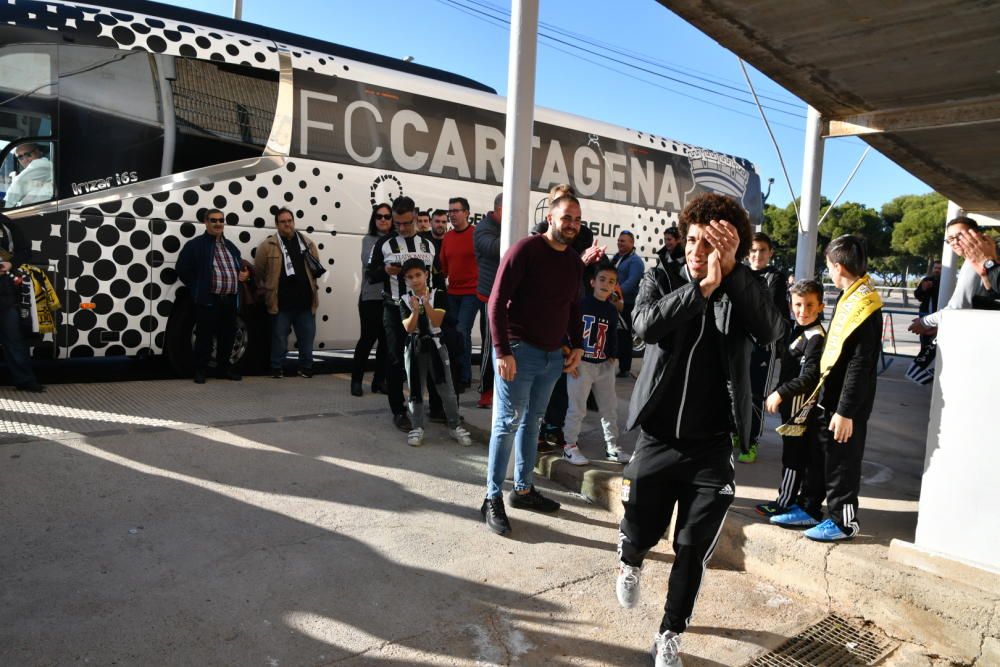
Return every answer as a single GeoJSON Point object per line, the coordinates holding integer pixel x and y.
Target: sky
{"type": "Point", "coordinates": [575, 76]}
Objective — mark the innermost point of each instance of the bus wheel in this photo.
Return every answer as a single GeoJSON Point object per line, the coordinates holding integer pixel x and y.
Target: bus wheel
{"type": "Point", "coordinates": [249, 338]}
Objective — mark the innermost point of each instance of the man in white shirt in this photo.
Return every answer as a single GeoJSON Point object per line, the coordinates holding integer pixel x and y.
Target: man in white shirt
{"type": "Point", "coordinates": [34, 183]}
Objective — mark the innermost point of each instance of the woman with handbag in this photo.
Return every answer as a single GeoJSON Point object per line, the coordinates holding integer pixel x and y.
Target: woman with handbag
{"type": "Point", "coordinates": [286, 267]}
{"type": "Point", "coordinates": [370, 307]}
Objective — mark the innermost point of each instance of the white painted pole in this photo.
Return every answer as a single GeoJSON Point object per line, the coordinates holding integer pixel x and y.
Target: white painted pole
{"type": "Point", "coordinates": [517, 141]}
{"type": "Point", "coordinates": [812, 176]}
{"type": "Point", "coordinates": [949, 261]}
{"type": "Point", "coordinates": [520, 117]}
{"type": "Point", "coordinates": [238, 10]}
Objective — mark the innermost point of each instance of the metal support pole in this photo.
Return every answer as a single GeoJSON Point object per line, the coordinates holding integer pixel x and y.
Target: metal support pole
{"type": "Point", "coordinates": [520, 118]}
{"type": "Point", "coordinates": [517, 141]}
{"type": "Point", "coordinates": [238, 10]}
{"type": "Point", "coordinates": [812, 175]}
{"type": "Point", "coordinates": [949, 261]}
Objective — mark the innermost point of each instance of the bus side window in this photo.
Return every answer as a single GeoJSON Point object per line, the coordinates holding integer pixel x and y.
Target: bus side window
{"type": "Point", "coordinates": [110, 123]}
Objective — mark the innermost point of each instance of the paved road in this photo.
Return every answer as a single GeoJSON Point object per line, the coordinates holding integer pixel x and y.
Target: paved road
{"type": "Point", "coordinates": [283, 523]}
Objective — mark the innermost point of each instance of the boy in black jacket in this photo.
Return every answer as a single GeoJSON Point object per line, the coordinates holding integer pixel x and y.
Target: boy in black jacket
{"type": "Point", "coordinates": [799, 375]}
{"type": "Point", "coordinates": [762, 361]}
{"type": "Point", "coordinates": [848, 371]}
{"type": "Point", "coordinates": [692, 394]}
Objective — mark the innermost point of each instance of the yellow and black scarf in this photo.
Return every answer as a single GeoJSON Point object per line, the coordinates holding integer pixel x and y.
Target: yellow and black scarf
{"type": "Point", "coordinates": [855, 305]}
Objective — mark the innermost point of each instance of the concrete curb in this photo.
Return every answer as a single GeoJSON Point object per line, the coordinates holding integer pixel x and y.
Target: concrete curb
{"type": "Point", "coordinates": [948, 617]}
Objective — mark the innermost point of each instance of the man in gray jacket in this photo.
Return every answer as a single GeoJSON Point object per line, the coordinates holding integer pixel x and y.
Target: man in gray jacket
{"type": "Point", "coordinates": [486, 243]}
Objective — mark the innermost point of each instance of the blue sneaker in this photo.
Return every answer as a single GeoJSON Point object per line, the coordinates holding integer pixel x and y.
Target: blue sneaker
{"type": "Point", "coordinates": [795, 517]}
{"type": "Point", "coordinates": [828, 531]}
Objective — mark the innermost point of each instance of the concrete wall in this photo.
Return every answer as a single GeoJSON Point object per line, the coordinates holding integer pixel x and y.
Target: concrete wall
{"type": "Point", "coordinates": [959, 493]}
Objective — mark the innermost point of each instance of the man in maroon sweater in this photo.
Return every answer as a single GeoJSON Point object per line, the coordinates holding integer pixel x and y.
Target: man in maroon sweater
{"type": "Point", "coordinates": [533, 308]}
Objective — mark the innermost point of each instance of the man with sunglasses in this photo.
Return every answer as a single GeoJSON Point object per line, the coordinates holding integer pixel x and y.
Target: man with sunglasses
{"type": "Point", "coordinates": [210, 266]}
{"type": "Point", "coordinates": [34, 182]}
{"type": "Point", "coordinates": [386, 267]}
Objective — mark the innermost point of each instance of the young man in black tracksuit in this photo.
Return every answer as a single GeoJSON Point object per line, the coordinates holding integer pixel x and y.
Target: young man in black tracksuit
{"type": "Point", "coordinates": [763, 357]}
{"type": "Point", "coordinates": [693, 393]}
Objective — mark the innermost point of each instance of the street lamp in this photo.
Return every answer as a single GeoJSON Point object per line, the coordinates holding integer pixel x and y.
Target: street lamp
{"type": "Point", "coordinates": [408, 59]}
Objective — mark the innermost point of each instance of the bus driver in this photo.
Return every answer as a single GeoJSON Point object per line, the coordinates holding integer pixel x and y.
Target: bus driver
{"type": "Point", "coordinates": [34, 183]}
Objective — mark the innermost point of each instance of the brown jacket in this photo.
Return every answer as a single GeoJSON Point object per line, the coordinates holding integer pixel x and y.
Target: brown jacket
{"type": "Point", "coordinates": [268, 266]}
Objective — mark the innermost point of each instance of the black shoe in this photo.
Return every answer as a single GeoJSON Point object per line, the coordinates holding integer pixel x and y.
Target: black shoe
{"type": "Point", "coordinates": [495, 515]}
{"type": "Point", "coordinates": [356, 388]}
{"type": "Point", "coordinates": [231, 375]}
{"type": "Point", "coordinates": [277, 373]}
{"type": "Point", "coordinates": [623, 374]}
{"type": "Point", "coordinates": [378, 387]}
{"type": "Point", "coordinates": [554, 436]}
{"type": "Point", "coordinates": [438, 417]}
{"type": "Point", "coordinates": [305, 373]}
{"type": "Point", "coordinates": [402, 422]}
{"type": "Point", "coordinates": [33, 387]}
{"type": "Point", "coordinates": [532, 500]}
{"type": "Point", "coordinates": [199, 377]}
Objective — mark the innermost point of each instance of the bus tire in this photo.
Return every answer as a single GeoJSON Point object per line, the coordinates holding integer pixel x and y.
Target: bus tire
{"type": "Point", "coordinates": [250, 346]}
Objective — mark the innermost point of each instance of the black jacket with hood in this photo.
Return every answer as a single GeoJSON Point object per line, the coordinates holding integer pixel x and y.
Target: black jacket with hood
{"type": "Point", "coordinates": [668, 308]}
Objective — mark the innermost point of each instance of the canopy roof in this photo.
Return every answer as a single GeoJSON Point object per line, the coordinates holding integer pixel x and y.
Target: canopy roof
{"type": "Point", "coordinates": [917, 80]}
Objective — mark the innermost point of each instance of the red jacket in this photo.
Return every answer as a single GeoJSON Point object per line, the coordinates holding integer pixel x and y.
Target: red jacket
{"type": "Point", "coordinates": [458, 261]}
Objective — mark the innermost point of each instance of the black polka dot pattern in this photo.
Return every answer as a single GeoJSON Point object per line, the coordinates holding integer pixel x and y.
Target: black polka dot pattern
{"type": "Point", "coordinates": [122, 256]}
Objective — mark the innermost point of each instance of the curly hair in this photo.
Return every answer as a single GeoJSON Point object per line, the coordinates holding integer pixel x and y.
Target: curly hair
{"type": "Point", "coordinates": [709, 206]}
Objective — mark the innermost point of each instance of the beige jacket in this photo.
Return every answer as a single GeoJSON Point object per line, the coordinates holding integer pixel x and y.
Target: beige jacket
{"type": "Point", "coordinates": [267, 271]}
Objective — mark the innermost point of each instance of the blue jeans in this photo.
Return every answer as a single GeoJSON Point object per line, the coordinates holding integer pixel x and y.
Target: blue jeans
{"type": "Point", "coordinates": [464, 309]}
{"type": "Point", "coordinates": [517, 407]}
{"type": "Point", "coordinates": [304, 323]}
{"type": "Point", "coordinates": [15, 348]}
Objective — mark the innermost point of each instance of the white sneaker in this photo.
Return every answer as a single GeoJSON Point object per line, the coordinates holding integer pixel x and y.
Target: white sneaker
{"type": "Point", "coordinates": [461, 436]}
{"type": "Point", "coordinates": [666, 649]}
{"type": "Point", "coordinates": [415, 438]}
{"type": "Point", "coordinates": [617, 456]}
{"type": "Point", "coordinates": [627, 586]}
{"type": "Point", "coordinates": [572, 454]}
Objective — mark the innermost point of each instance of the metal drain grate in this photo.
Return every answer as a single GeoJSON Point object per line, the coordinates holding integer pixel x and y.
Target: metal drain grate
{"type": "Point", "coordinates": [833, 642]}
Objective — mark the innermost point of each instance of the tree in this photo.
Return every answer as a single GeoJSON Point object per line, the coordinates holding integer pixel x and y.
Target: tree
{"type": "Point", "coordinates": [917, 224]}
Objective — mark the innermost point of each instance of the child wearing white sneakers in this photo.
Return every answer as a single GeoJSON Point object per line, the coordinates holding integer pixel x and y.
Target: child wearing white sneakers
{"type": "Point", "coordinates": [426, 358]}
{"type": "Point", "coordinates": [597, 372]}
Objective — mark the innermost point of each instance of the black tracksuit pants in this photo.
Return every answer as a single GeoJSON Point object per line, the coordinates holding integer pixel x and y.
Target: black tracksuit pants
{"type": "Point", "coordinates": [834, 473]}
{"type": "Point", "coordinates": [762, 364]}
{"type": "Point", "coordinates": [697, 477]}
{"type": "Point", "coordinates": [796, 454]}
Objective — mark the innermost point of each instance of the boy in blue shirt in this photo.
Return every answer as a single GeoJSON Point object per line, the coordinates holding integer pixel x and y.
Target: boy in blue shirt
{"type": "Point", "coordinates": [597, 372]}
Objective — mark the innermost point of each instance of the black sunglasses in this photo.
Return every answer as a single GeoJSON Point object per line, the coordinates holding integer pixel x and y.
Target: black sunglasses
{"type": "Point", "coordinates": [383, 216]}
{"type": "Point", "coordinates": [216, 219]}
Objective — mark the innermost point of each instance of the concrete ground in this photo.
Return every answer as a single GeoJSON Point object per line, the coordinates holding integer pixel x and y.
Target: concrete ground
{"type": "Point", "coordinates": [283, 522]}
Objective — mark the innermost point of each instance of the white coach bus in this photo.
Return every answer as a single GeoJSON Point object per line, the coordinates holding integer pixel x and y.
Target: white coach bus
{"type": "Point", "coordinates": [144, 115]}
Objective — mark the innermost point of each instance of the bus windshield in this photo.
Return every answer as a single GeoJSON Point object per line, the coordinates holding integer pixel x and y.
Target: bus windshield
{"type": "Point", "coordinates": [28, 104]}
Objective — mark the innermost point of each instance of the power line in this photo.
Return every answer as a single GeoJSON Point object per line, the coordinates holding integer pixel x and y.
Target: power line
{"type": "Point", "coordinates": [638, 56]}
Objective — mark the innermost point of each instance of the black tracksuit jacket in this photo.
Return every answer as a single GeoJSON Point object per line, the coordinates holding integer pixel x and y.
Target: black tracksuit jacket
{"type": "Point", "coordinates": [668, 314]}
